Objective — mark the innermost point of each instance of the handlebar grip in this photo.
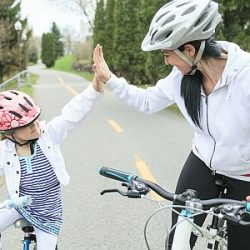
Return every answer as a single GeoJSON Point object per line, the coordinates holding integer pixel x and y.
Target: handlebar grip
{"type": "Point", "coordinates": [22, 201]}
{"type": "Point", "coordinates": [116, 174]}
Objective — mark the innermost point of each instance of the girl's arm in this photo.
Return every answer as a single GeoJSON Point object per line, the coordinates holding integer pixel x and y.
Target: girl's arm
{"type": "Point", "coordinates": [74, 112]}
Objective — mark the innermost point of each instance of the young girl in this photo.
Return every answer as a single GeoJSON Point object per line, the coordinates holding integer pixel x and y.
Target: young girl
{"type": "Point", "coordinates": [31, 160]}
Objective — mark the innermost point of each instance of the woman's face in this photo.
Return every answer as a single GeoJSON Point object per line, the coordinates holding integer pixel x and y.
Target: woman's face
{"type": "Point", "coordinates": [29, 132]}
{"type": "Point", "coordinates": [171, 58]}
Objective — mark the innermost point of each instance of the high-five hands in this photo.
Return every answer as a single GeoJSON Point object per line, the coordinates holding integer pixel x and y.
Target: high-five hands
{"type": "Point", "coordinates": [100, 66]}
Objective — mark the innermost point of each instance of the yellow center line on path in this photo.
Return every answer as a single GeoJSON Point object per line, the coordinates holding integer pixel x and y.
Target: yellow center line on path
{"type": "Point", "coordinates": [67, 86]}
{"type": "Point", "coordinates": [115, 126]}
{"type": "Point", "coordinates": [145, 173]}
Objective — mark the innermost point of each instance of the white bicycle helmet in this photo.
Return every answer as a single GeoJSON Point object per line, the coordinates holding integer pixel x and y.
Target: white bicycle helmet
{"type": "Point", "coordinates": [181, 21]}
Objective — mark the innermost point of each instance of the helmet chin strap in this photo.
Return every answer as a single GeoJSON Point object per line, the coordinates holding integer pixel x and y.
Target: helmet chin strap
{"type": "Point", "coordinates": [22, 144]}
{"type": "Point", "coordinates": [193, 64]}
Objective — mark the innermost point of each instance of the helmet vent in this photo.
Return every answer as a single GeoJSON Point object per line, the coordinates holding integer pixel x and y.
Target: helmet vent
{"type": "Point", "coordinates": [28, 101]}
{"type": "Point", "coordinates": [23, 107]}
{"type": "Point", "coordinates": [13, 92]}
{"type": "Point", "coordinates": [168, 34]}
{"type": "Point", "coordinates": [200, 20]}
{"type": "Point", "coordinates": [8, 98]}
{"type": "Point", "coordinates": [180, 5]}
{"type": "Point", "coordinates": [170, 19]}
{"type": "Point", "coordinates": [15, 114]}
{"type": "Point", "coordinates": [162, 16]}
{"type": "Point", "coordinates": [207, 27]}
{"type": "Point", "coordinates": [188, 11]}
{"type": "Point", "coordinates": [161, 37]}
{"type": "Point", "coordinates": [152, 37]}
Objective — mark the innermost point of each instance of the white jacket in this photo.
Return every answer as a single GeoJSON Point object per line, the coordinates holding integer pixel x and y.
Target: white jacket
{"type": "Point", "coordinates": [52, 134]}
{"type": "Point", "coordinates": [224, 141]}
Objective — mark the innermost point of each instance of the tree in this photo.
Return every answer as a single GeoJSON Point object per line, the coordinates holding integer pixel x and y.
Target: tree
{"type": "Point", "coordinates": [25, 37]}
{"type": "Point", "coordinates": [58, 44]}
{"type": "Point", "coordinates": [87, 7]}
{"type": "Point", "coordinates": [47, 54]}
{"type": "Point", "coordinates": [33, 50]}
{"type": "Point", "coordinates": [9, 56]}
{"type": "Point", "coordinates": [99, 24]}
{"type": "Point", "coordinates": [136, 72]}
{"type": "Point", "coordinates": [131, 20]}
{"type": "Point", "coordinates": [120, 59]}
{"type": "Point", "coordinates": [109, 31]}
{"type": "Point", "coordinates": [236, 25]}
{"type": "Point", "coordinates": [154, 63]}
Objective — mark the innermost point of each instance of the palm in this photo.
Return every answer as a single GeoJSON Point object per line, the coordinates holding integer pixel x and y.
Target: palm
{"type": "Point", "coordinates": [100, 66]}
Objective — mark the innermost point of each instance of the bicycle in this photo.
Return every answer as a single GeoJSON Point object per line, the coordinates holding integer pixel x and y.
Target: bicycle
{"type": "Point", "coordinates": [221, 210]}
{"type": "Point", "coordinates": [14, 203]}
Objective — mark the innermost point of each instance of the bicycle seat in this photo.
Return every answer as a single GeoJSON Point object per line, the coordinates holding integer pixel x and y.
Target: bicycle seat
{"type": "Point", "coordinates": [20, 223]}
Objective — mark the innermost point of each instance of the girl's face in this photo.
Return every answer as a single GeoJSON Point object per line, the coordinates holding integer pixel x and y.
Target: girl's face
{"type": "Point", "coordinates": [28, 133]}
{"type": "Point", "coordinates": [171, 58]}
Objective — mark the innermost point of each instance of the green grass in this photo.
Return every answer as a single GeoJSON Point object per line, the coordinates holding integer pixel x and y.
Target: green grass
{"type": "Point", "coordinates": [28, 89]}
{"type": "Point", "coordinates": [65, 64]}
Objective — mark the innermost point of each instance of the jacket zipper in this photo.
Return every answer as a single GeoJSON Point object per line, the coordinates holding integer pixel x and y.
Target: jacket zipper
{"type": "Point", "coordinates": [211, 158]}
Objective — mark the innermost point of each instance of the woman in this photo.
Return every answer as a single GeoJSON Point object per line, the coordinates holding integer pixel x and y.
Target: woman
{"type": "Point", "coordinates": [32, 162]}
{"type": "Point", "coordinates": [210, 84]}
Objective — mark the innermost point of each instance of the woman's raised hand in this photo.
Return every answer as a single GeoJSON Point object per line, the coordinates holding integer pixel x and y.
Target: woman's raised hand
{"type": "Point", "coordinates": [100, 66]}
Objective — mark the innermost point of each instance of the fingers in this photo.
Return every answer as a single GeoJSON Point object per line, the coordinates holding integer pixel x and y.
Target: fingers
{"type": "Point", "coordinates": [100, 66]}
{"type": "Point", "coordinates": [98, 54]}
{"type": "Point", "coordinates": [94, 54]}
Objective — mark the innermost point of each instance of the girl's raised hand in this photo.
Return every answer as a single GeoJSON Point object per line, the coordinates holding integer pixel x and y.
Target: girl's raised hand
{"type": "Point", "coordinates": [97, 85]}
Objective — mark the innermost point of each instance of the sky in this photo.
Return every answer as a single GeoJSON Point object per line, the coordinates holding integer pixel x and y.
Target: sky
{"type": "Point", "coordinates": [42, 13]}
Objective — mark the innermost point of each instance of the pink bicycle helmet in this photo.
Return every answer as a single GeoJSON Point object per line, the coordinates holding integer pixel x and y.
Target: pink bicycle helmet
{"type": "Point", "coordinates": [16, 110]}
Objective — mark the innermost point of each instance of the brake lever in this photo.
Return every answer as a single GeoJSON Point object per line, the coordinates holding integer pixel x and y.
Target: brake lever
{"type": "Point", "coordinates": [245, 218]}
{"type": "Point", "coordinates": [129, 194]}
{"type": "Point", "coordinates": [236, 214]}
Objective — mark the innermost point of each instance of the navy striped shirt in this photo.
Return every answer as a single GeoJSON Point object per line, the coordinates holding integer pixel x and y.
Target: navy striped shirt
{"type": "Point", "coordinates": [39, 180]}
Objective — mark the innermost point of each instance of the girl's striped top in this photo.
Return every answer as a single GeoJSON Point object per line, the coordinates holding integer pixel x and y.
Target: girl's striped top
{"type": "Point", "coordinates": [39, 180]}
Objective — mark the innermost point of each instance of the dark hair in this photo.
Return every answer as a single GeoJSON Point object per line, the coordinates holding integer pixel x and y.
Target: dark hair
{"type": "Point", "coordinates": [2, 137]}
{"type": "Point", "coordinates": [3, 134]}
{"type": "Point", "coordinates": [191, 84]}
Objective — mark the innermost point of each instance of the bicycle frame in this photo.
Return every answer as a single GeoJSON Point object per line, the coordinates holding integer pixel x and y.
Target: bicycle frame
{"type": "Point", "coordinates": [26, 244]}
{"type": "Point", "coordinates": [183, 231]}
{"type": "Point", "coordinates": [185, 226]}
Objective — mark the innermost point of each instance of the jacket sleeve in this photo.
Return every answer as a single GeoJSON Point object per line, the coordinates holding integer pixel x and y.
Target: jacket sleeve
{"type": "Point", "coordinates": [72, 114]}
{"type": "Point", "coordinates": [148, 100]}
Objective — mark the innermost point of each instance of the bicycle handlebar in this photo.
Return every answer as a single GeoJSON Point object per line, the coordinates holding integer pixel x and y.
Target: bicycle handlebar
{"type": "Point", "coordinates": [178, 198]}
{"type": "Point", "coordinates": [22, 201]}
